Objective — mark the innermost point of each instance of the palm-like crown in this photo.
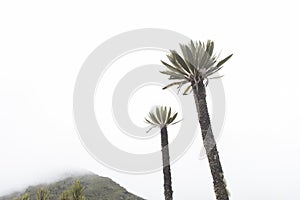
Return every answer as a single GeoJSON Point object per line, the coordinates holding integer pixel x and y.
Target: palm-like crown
{"type": "Point", "coordinates": [197, 64]}
{"type": "Point", "coordinates": [161, 116]}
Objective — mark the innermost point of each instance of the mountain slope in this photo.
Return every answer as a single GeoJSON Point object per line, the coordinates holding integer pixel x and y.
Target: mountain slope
{"type": "Point", "coordinates": [96, 188]}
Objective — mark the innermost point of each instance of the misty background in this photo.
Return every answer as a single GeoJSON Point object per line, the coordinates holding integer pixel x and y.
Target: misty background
{"type": "Point", "coordinates": [43, 45]}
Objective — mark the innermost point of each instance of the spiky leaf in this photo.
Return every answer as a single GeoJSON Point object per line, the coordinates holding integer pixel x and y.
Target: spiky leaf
{"type": "Point", "coordinates": [161, 116]}
{"type": "Point", "coordinates": [198, 62]}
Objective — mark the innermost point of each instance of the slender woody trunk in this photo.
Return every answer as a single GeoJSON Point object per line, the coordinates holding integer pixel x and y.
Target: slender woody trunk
{"type": "Point", "coordinates": [209, 141]}
{"type": "Point", "coordinates": [166, 164]}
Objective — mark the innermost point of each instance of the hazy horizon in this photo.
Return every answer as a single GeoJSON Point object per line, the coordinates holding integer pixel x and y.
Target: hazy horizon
{"type": "Point", "coordinates": [43, 46]}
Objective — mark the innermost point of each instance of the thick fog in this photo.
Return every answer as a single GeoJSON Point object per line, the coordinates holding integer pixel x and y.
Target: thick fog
{"type": "Point", "coordinates": [42, 48]}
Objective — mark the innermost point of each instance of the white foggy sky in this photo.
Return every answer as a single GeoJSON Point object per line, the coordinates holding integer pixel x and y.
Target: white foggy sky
{"type": "Point", "coordinates": [43, 45]}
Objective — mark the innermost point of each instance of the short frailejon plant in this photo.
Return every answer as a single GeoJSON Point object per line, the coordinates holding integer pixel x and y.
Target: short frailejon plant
{"type": "Point", "coordinates": [66, 195]}
{"type": "Point", "coordinates": [196, 67]}
{"type": "Point", "coordinates": [162, 117]}
{"type": "Point", "coordinates": [26, 196]}
{"type": "Point", "coordinates": [43, 194]}
{"type": "Point", "coordinates": [77, 191]}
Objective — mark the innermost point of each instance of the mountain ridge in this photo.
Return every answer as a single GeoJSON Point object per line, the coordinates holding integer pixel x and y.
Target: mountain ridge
{"type": "Point", "coordinates": [96, 188]}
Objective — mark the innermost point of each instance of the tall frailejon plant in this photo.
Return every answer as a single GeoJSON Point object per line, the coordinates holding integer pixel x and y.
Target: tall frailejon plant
{"type": "Point", "coordinates": [195, 67]}
{"type": "Point", "coordinates": [162, 117]}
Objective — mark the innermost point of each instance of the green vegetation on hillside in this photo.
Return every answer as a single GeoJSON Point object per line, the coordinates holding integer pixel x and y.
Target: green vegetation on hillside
{"type": "Point", "coordinates": [85, 187]}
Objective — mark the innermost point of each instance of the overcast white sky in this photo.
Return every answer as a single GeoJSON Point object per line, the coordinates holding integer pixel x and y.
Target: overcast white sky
{"type": "Point", "coordinates": [43, 45]}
